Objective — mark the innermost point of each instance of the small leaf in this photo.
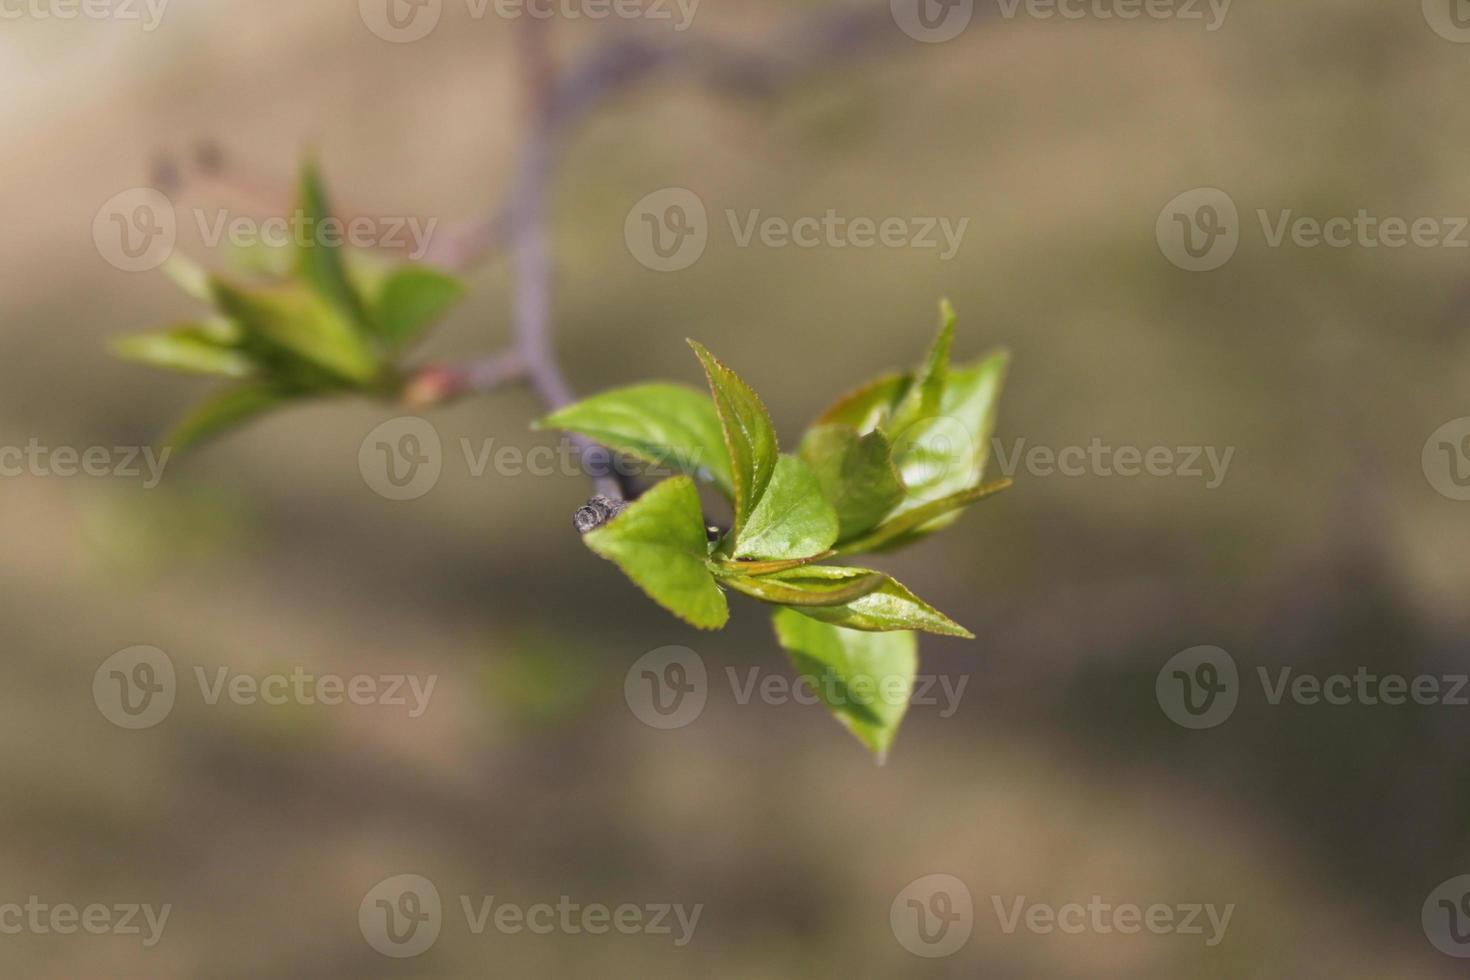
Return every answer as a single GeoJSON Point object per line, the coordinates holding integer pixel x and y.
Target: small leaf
{"type": "Point", "coordinates": [225, 410]}
{"type": "Point", "coordinates": [750, 440]}
{"type": "Point", "coordinates": [791, 520]}
{"type": "Point", "coordinates": [411, 299]}
{"type": "Point", "coordinates": [813, 585]}
{"type": "Point", "coordinates": [923, 396]}
{"type": "Point", "coordinates": [302, 323]}
{"type": "Point", "coordinates": [319, 261]}
{"type": "Point", "coordinates": [661, 424]}
{"type": "Point", "coordinates": [191, 348]}
{"type": "Point", "coordinates": [864, 679]}
{"type": "Point", "coordinates": [903, 529]}
{"type": "Point", "coordinates": [890, 607]}
{"type": "Point", "coordinates": [188, 276]}
{"type": "Point", "coordinates": [868, 407]}
{"type": "Point", "coordinates": [659, 542]}
{"type": "Point", "coordinates": [856, 474]}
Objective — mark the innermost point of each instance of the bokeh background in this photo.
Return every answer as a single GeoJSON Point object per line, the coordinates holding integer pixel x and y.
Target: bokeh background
{"type": "Point", "coordinates": [1326, 548]}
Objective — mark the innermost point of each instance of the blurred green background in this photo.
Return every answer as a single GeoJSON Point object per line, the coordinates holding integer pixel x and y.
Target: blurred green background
{"type": "Point", "coordinates": [1325, 549]}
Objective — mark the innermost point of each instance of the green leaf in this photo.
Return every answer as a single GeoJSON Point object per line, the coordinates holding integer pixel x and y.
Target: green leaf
{"type": "Point", "coordinates": [922, 398]}
{"type": "Point", "coordinates": [867, 407]}
{"type": "Point", "coordinates": [302, 323]}
{"type": "Point", "coordinates": [750, 440]}
{"type": "Point", "coordinates": [812, 585]}
{"type": "Point", "coordinates": [791, 520]}
{"type": "Point", "coordinates": [202, 348]}
{"type": "Point", "coordinates": [661, 424]}
{"type": "Point", "coordinates": [856, 474]}
{"type": "Point", "coordinates": [864, 679]}
{"type": "Point", "coordinates": [188, 276]}
{"type": "Point", "coordinates": [890, 607]}
{"type": "Point", "coordinates": [411, 299]}
{"type": "Point", "coordinates": [225, 410]}
{"type": "Point", "coordinates": [904, 528]}
{"type": "Point", "coordinates": [659, 542]}
{"type": "Point", "coordinates": [319, 257]}
{"type": "Point", "coordinates": [747, 567]}
{"type": "Point", "coordinates": [946, 453]}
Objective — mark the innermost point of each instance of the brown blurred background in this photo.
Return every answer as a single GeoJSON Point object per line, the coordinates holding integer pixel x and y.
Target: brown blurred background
{"type": "Point", "coordinates": [1326, 548]}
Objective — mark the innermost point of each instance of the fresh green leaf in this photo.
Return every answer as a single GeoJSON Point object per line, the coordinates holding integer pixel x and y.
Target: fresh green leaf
{"type": "Point", "coordinates": [319, 256]}
{"type": "Point", "coordinates": [191, 348]}
{"type": "Point", "coordinates": [659, 542]}
{"type": "Point", "coordinates": [225, 410]}
{"type": "Point", "coordinates": [411, 299]}
{"type": "Point", "coordinates": [904, 528]}
{"type": "Point", "coordinates": [302, 323]}
{"type": "Point", "coordinates": [922, 398]}
{"type": "Point", "coordinates": [791, 519]}
{"type": "Point", "coordinates": [856, 474]}
{"type": "Point", "coordinates": [188, 276]}
{"type": "Point", "coordinates": [864, 679]}
{"type": "Point", "coordinates": [812, 585]}
{"type": "Point", "coordinates": [890, 607]}
{"type": "Point", "coordinates": [746, 567]}
{"type": "Point", "coordinates": [750, 440]}
{"type": "Point", "coordinates": [867, 407]}
{"type": "Point", "coordinates": [661, 424]}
